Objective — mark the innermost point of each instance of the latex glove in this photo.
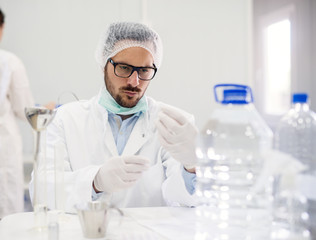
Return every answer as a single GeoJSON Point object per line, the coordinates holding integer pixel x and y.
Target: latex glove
{"type": "Point", "coordinates": [120, 172]}
{"type": "Point", "coordinates": [177, 135]}
{"type": "Point", "coordinates": [277, 163]}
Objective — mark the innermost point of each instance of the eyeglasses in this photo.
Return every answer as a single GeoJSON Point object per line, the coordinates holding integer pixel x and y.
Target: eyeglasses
{"type": "Point", "coordinates": [125, 71]}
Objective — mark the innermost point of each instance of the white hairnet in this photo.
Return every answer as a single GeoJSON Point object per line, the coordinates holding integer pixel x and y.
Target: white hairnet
{"type": "Point", "coordinates": [122, 35]}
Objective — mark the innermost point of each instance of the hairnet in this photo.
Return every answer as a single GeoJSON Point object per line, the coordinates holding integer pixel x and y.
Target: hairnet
{"type": "Point", "coordinates": [122, 35]}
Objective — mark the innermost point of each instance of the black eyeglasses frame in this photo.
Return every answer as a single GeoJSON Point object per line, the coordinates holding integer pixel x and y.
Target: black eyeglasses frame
{"type": "Point", "coordinates": [134, 69]}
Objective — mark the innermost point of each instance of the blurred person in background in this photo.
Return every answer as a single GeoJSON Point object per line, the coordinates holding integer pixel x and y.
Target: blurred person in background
{"type": "Point", "coordinates": [15, 95]}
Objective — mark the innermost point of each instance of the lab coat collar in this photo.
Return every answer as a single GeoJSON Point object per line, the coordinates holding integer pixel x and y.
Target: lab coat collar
{"type": "Point", "coordinates": [104, 126]}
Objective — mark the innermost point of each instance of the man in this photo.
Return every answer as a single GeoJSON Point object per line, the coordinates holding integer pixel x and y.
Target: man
{"type": "Point", "coordinates": [121, 144]}
{"type": "Point", "coordinates": [15, 95]}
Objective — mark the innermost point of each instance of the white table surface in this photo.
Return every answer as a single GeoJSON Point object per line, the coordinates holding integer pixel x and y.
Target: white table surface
{"type": "Point", "coordinates": [159, 223]}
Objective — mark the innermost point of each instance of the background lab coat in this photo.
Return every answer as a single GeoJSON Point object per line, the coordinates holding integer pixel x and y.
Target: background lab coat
{"type": "Point", "coordinates": [15, 95]}
{"type": "Point", "coordinates": [83, 131]}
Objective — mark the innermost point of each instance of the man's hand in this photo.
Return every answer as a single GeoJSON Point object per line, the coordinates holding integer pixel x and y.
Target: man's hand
{"type": "Point", "coordinates": [177, 135]}
{"type": "Point", "coordinates": [120, 173]}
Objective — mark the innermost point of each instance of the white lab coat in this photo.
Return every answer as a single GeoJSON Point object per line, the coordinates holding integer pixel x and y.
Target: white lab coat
{"type": "Point", "coordinates": [15, 95]}
{"type": "Point", "coordinates": [82, 131]}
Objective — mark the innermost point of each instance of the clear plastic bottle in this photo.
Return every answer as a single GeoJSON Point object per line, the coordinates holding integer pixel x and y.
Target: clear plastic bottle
{"type": "Point", "coordinates": [290, 217]}
{"type": "Point", "coordinates": [296, 132]}
{"type": "Point", "coordinates": [296, 135]}
{"type": "Point", "coordinates": [230, 153]}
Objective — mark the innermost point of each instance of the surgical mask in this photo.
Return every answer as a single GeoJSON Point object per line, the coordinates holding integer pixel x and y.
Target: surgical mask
{"type": "Point", "coordinates": [109, 103]}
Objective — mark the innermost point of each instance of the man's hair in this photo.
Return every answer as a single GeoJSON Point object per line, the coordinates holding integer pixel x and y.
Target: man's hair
{"type": "Point", "coordinates": [1, 18]}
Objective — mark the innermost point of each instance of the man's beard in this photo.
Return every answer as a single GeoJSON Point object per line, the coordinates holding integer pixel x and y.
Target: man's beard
{"type": "Point", "coordinates": [117, 97]}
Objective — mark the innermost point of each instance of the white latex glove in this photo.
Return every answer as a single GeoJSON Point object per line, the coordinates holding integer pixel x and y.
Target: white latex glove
{"type": "Point", "coordinates": [282, 164]}
{"type": "Point", "coordinates": [120, 172]}
{"type": "Point", "coordinates": [177, 135]}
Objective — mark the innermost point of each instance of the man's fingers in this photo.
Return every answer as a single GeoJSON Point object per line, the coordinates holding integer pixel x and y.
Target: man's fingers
{"type": "Point", "coordinates": [131, 177]}
{"type": "Point", "coordinates": [135, 168]}
{"type": "Point", "coordinates": [169, 123]}
{"type": "Point", "coordinates": [176, 114]}
{"type": "Point", "coordinates": [136, 160]}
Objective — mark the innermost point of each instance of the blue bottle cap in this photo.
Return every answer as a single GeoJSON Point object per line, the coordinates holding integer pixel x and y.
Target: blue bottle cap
{"type": "Point", "coordinates": [299, 98]}
{"type": "Point", "coordinates": [233, 93]}
{"type": "Point", "coordinates": [235, 96]}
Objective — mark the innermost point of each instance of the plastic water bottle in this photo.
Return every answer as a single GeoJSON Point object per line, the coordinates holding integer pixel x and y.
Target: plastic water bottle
{"type": "Point", "coordinates": [296, 135]}
{"type": "Point", "coordinates": [230, 152]}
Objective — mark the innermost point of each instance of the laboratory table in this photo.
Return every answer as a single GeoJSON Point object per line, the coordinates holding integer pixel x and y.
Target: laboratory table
{"type": "Point", "coordinates": [154, 223]}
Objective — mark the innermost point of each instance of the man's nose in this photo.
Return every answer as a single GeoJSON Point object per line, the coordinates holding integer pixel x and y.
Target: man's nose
{"type": "Point", "coordinates": [133, 79]}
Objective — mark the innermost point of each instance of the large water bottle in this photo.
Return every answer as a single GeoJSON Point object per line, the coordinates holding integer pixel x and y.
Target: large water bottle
{"type": "Point", "coordinates": [296, 135]}
{"type": "Point", "coordinates": [230, 152]}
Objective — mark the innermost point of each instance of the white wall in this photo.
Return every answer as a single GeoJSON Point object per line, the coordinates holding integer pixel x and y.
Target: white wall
{"type": "Point", "coordinates": [205, 42]}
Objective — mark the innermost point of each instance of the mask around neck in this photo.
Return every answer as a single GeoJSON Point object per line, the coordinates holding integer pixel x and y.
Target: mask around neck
{"type": "Point", "coordinates": [109, 103]}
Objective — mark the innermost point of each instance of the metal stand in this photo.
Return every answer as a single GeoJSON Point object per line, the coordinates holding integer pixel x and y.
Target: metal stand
{"type": "Point", "coordinates": [39, 118]}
